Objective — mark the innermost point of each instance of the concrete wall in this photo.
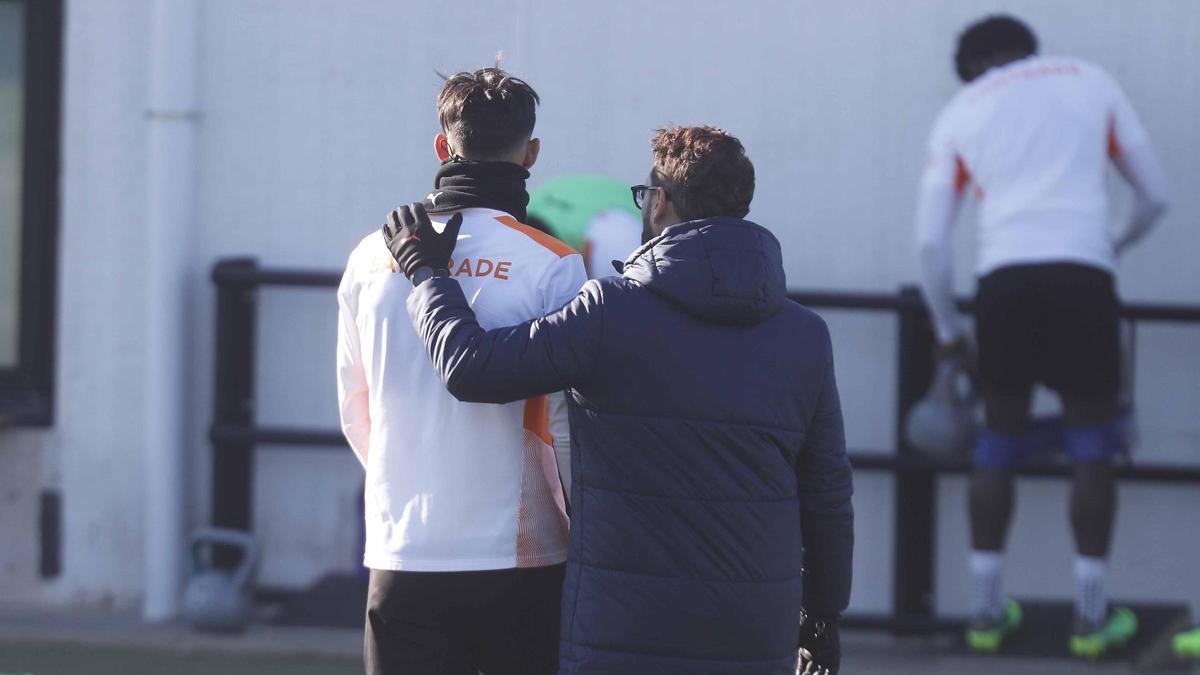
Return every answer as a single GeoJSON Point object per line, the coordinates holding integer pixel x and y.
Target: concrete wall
{"type": "Point", "coordinates": [318, 117]}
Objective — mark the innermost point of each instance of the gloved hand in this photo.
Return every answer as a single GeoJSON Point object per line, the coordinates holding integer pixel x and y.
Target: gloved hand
{"type": "Point", "coordinates": [820, 646]}
{"type": "Point", "coordinates": [414, 243]}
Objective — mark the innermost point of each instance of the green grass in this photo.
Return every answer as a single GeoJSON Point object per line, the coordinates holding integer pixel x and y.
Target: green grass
{"type": "Point", "coordinates": [56, 660]}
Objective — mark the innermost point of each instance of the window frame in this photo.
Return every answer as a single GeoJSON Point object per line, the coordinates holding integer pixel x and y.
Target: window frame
{"type": "Point", "coordinates": [27, 390]}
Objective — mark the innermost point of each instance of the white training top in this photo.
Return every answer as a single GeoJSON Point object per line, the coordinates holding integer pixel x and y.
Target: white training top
{"type": "Point", "coordinates": [611, 235]}
{"type": "Point", "coordinates": [1033, 138]}
{"type": "Point", "coordinates": [453, 486]}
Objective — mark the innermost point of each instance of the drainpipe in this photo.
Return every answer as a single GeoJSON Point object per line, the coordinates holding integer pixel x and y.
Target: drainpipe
{"type": "Point", "coordinates": [170, 217]}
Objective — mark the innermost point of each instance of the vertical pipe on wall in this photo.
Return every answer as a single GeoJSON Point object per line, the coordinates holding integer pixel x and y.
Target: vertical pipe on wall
{"type": "Point", "coordinates": [169, 222]}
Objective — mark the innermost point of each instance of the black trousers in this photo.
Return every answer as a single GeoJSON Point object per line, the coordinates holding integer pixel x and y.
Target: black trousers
{"type": "Point", "coordinates": [1055, 323]}
{"type": "Point", "coordinates": [498, 622]}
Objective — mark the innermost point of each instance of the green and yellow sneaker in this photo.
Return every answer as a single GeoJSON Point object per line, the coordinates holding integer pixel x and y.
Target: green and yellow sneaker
{"type": "Point", "coordinates": [1093, 641]}
{"type": "Point", "coordinates": [1187, 645]}
{"type": "Point", "coordinates": [985, 633]}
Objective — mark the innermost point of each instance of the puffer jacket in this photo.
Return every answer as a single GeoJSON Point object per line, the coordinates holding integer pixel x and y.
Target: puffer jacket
{"type": "Point", "coordinates": [711, 498]}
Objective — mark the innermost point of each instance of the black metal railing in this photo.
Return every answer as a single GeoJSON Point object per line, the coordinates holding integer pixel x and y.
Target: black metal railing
{"type": "Point", "coordinates": [234, 434]}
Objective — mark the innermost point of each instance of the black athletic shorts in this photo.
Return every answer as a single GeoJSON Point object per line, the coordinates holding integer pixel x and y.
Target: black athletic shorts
{"type": "Point", "coordinates": [500, 622]}
{"type": "Point", "coordinates": [1056, 324]}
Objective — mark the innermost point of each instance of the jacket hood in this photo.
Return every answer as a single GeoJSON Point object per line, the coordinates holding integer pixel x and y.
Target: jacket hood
{"type": "Point", "coordinates": [722, 270]}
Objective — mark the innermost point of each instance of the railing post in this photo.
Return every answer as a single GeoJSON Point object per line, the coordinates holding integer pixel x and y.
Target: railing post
{"type": "Point", "coordinates": [916, 487]}
{"type": "Point", "coordinates": [233, 400]}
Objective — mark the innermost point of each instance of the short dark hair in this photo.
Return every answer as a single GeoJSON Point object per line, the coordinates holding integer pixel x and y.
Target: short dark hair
{"type": "Point", "coordinates": [486, 113]}
{"type": "Point", "coordinates": [992, 39]}
{"type": "Point", "coordinates": [705, 171]}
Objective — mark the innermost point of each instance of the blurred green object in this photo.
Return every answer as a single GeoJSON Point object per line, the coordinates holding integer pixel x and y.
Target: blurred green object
{"type": "Point", "coordinates": [1187, 645]}
{"type": "Point", "coordinates": [568, 203]}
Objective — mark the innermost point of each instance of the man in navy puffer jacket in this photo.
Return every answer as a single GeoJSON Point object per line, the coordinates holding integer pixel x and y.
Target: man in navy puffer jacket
{"type": "Point", "coordinates": [711, 522]}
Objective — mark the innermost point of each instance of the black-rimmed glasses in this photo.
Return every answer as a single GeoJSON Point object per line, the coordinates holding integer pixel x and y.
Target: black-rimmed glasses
{"type": "Point", "coordinates": [640, 192]}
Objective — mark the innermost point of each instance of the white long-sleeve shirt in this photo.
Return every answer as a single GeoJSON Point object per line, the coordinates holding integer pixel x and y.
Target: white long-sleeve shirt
{"type": "Point", "coordinates": [453, 486]}
{"type": "Point", "coordinates": [1034, 139]}
{"type": "Point", "coordinates": [611, 235]}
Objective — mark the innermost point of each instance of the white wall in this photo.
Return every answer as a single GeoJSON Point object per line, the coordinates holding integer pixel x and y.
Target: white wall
{"type": "Point", "coordinates": [92, 455]}
{"type": "Point", "coordinates": [318, 117]}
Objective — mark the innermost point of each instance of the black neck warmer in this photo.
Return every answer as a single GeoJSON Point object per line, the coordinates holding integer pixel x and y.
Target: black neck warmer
{"type": "Point", "coordinates": [465, 183]}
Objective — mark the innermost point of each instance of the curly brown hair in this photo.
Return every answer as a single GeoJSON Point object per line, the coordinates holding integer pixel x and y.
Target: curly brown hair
{"type": "Point", "coordinates": [705, 171]}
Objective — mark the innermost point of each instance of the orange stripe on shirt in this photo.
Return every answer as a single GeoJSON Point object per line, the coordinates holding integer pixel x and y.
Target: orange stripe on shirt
{"type": "Point", "coordinates": [587, 256]}
{"type": "Point", "coordinates": [560, 249]}
{"type": "Point", "coordinates": [1114, 146]}
{"type": "Point", "coordinates": [537, 418]}
{"type": "Point", "coordinates": [962, 176]}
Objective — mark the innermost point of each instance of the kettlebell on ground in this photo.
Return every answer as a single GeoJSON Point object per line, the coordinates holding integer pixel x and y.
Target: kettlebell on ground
{"type": "Point", "coordinates": [217, 599]}
{"type": "Point", "coordinates": [942, 424]}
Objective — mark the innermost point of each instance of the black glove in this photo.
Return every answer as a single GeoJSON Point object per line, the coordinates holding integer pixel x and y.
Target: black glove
{"type": "Point", "coordinates": [414, 243]}
{"type": "Point", "coordinates": [820, 646]}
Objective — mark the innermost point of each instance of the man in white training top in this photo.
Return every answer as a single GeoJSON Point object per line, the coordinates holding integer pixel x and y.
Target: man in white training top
{"type": "Point", "coordinates": [1032, 138]}
{"type": "Point", "coordinates": [465, 513]}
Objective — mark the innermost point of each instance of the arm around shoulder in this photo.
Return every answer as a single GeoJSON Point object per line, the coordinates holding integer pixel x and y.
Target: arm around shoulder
{"type": "Point", "coordinates": [530, 359]}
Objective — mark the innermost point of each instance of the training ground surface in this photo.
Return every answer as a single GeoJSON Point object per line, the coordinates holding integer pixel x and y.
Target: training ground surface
{"type": "Point", "coordinates": [66, 644]}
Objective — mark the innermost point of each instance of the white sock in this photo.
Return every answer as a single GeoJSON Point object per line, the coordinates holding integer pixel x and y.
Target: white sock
{"type": "Point", "coordinates": [1091, 599]}
{"type": "Point", "coordinates": [988, 596]}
